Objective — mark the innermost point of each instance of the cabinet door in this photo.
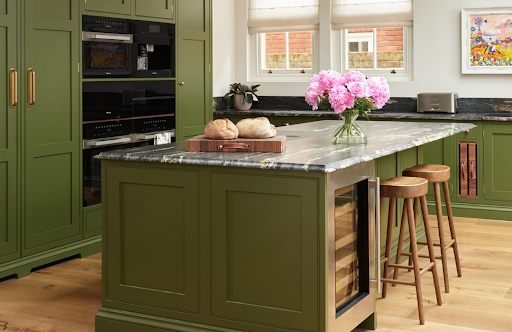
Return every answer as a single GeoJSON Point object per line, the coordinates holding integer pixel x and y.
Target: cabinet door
{"type": "Point", "coordinates": [51, 193]}
{"type": "Point", "coordinates": [194, 95]}
{"type": "Point", "coordinates": [152, 252]}
{"type": "Point", "coordinates": [163, 9]}
{"type": "Point", "coordinates": [121, 7]}
{"type": "Point", "coordinates": [265, 250]}
{"type": "Point", "coordinates": [9, 248]}
{"type": "Point", "coordinates": [497, 161]}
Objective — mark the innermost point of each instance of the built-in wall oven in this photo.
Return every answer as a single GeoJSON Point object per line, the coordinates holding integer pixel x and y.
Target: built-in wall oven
{"type": "Point", "coordinates": [120, 115]}
{"type": "Point", "coordinates": [127, 48]}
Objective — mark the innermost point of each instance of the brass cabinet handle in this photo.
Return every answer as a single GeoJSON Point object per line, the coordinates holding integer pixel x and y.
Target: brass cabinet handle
{"type": "Point", "coordinates": [182, 83]}
{"type": "Point", "coordinates": [31, 87]}
{"type": "Point", "coordinates": [13, 85]}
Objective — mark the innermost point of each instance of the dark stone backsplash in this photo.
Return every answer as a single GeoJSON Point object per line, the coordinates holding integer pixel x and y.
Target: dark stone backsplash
{"type": "Point", "coordinates": [466, 105]}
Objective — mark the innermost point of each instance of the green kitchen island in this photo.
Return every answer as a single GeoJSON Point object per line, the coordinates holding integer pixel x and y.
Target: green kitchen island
{"type": "Point", "coordinates": [260, 242]}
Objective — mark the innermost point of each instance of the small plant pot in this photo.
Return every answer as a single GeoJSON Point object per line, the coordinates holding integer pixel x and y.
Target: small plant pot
{"type": "Point", "coordinates": [238, 103]}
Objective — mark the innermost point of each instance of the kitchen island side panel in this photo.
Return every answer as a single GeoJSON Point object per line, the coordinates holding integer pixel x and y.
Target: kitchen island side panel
{"type": "Point", "coordinates": [274, 218]}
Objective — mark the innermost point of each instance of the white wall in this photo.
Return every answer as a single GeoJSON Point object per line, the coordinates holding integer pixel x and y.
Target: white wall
{"type": "Point", "coordinates": [223, 25]}
{"type": "Point", "coordinates": [437, 53]}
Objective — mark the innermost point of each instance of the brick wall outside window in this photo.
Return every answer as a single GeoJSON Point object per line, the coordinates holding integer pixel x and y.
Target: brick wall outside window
{"type": "Point", "coordinates": [388, 39]}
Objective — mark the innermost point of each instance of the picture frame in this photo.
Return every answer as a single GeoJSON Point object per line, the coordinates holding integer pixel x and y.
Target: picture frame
{"type": "Point", "coordinates": [486, 40]}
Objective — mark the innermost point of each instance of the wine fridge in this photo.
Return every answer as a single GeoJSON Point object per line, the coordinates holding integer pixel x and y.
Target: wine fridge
{"type": "Point", "coordinates": [353, 224]}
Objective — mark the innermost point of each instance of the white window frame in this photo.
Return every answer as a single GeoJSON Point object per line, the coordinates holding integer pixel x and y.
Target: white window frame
{"type": "Point", "coordinates": [257, 54]}
{"type": "Point", "coordinates": [402, 74]}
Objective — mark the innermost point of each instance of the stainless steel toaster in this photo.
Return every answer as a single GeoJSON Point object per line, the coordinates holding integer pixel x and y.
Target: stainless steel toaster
{"type": "Point", "coordinates": [438, 102]}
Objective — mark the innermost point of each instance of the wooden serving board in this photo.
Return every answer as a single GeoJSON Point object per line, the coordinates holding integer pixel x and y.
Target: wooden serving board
{"type": "Point", "coordinates": [202, 144]}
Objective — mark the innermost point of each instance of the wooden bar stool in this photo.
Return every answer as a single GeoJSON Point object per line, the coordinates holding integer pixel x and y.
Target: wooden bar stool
{"type": "Point", "coordinates": [437, 174]}
{"type": "Point", "coordinates": [409, 188]}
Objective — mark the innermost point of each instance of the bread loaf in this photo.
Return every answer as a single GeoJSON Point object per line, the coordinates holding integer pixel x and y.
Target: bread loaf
{"type": "Point", "coordinates": [256, 128]}
{"type": "Point", "coordinates": [221, 129]}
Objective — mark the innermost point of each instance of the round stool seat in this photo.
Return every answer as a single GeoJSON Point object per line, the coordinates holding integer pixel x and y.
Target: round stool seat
{"type": "Point", "coordinates": [404, 187]}
{"type": "Point", "coordinates": [433, 173]}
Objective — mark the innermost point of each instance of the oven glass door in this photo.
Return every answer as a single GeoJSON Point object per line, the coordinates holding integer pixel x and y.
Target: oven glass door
{"type": "Point", "coordinates": [92, 170]}
{"type": "Point", "coordinates": [351, 245]}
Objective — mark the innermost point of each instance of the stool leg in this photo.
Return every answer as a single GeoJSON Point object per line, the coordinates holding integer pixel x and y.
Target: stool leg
{"type": "Point", "coordinates": [452, 227]}
{"type": "Point", "coordinates": [391, 216]}
{"type": "Point", "coordinates": [416, 200]}
{"type": "Point", "coordinates": [400, 242]}
{"type": "Point", "coordinates": [430, 244]}
{"type": "Point", "coordinates": [414, 246]}
{"type": "Point", "coordinates": [439, 210]}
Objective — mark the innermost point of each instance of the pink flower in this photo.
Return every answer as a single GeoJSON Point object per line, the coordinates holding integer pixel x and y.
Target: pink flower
{"type": "Point", "coordinates": [341, 99]}
{"type": "Point", "coordinates": [360, 89]}
{"type": "Point", "coordinates": [354, 76]}
{"type": "Point", "coordinates": [312, 95]}
{"type": "Point", "coordinates": [314, 79]}
{"type": "Point", "coordinates": [380, 91]}
{"type": "Point", "coordinates": [329, 79]}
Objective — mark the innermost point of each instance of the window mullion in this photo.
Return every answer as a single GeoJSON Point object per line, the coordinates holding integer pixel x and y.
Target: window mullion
{"type": "Point", "coordinates": [374, 48]}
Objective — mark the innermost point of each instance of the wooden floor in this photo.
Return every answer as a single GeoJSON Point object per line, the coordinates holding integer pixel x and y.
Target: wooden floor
{"type": "Point", "coordinates": [65, 297]}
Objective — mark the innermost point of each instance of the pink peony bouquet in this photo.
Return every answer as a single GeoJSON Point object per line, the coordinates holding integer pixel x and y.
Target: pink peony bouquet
{"type": "Point", "coordinates": [349, 95]}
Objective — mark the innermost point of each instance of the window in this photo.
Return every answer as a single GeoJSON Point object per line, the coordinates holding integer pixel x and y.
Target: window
{"type": "Point", "coordinates": [285, 53]}
{"type": "Point", "coordinates": [377, 51]}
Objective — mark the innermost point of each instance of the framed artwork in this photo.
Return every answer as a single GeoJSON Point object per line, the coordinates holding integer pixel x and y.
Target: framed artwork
{"type": "Point", "coordinates": [487, 40]}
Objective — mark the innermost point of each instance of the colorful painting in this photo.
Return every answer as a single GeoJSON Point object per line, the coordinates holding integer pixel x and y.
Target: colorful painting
{"type": "Point", "coordinates": [490, 40]}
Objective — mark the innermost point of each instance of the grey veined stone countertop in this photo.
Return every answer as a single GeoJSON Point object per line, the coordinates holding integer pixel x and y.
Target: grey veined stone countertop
{"type": "Point", "coordinates": [308, 149]}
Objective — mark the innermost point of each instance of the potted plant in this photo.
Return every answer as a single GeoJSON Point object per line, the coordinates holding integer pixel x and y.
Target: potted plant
{"type": "Point", "coordinates": [242, 96]}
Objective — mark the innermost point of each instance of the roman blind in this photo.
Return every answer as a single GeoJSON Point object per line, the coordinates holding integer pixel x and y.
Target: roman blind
{"type": "Point", "coordinates": [351, 14]}
{"type": "Point", "coordinates": [282, 15]}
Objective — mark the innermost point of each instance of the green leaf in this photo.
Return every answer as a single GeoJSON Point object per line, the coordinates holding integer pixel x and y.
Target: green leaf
{"type": "Point", "coordinates": [230, 99]}
{"type": "Point", "coordinates": [255, 97]}
{"type": "Point", "coordinates": [248, 98]}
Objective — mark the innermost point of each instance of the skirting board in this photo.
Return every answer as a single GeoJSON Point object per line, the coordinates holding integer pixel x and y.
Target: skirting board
{"type": "Point", "coordinates": [466, 210]}
{"type": "Point", "coordinates": [21, 267]}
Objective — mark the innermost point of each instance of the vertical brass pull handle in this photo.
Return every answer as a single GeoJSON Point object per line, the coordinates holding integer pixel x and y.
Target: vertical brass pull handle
{"type": "Point", "coordinates": [31, 87]}
{"type": "Point", "coordinates": [13, 88]}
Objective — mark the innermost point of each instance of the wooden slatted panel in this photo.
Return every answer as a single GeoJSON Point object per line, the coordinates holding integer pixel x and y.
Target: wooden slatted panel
{"type": "Point", "coordinates": [472, 170]}
{"type": "Point", "coordinates": [463, 171]}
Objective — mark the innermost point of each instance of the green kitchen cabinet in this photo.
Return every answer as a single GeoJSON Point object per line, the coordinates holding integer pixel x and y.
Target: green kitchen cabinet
{"type": "Point", "coordinates": [497, 161]}
{"type": "Point", "coordinates": [154, 9]}
{"type": "Point", "coordinates": [442, 152]}
{"type": "Point", "coordinates": [169, 277]}
{"type": "Point", "coordinates": [9, 240]}
{"type": "Point", "coordinates": [280, 286]}
{"type": "Point", "coordinates": [106, 7]}
{"type": "Point", "coordinates": [193, 51]}
{"type": "Point", "coordinates": [52, 124]}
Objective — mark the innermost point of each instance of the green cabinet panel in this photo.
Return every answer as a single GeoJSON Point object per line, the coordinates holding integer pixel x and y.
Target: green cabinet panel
{"type": "Point", "coordinates": [193, 95]}
{"type": "Point", "coordinates": [250, 217]}
{"type": "Point", "coordinates": [152, 254]}
{"type": "Point", "coordinates": [96, 7]}
{"type": "Point", "coordinates": [51, 189]}
{"type": "Point", "coordinates": [471, 136]}
{"type": "Point", "coordinates": [9, 243]}
{"type": "Point", "coordinates": [442, 152]}
{"type": "Point", "coordinates": [163, 9]}
{"type": "Point", "coordinates": [92, 217]}
{"type": "Point", "coordinates": [497, 161]}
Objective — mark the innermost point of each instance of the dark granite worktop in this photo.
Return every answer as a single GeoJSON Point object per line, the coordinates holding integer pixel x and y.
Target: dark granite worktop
{"type": "Point", "coordinates": [470, 109]}
{"type": "Point", "coordinates": [309, 147]}
{"type": "Point", "coordinates": [466, 116]}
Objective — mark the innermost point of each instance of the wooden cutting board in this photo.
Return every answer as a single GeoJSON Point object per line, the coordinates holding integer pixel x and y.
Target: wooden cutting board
{"type": "Point", "coordinates": [202, 144]}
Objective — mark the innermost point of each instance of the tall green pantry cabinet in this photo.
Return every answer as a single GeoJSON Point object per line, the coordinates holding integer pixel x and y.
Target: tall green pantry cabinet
{"type": "Point", "coordinates": [9, 239]}
{"type": "Point", "coordinates": [40, 139]}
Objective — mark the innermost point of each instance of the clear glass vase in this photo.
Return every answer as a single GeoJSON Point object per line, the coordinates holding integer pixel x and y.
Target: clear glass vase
{"type": "Point", "coordinates": [349, 132]}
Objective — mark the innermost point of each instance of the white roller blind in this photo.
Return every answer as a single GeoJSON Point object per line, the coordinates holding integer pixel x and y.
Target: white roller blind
{"type": "Point", "coordinates": [351, 14]}
{"type": "Point", "coordinates": [282, 15]}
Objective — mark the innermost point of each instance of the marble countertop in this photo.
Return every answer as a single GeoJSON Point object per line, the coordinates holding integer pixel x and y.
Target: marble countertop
{"type": "Point", "coordinates": [466, 116]}
{"type": "Point", "coordinates": [309, 147]}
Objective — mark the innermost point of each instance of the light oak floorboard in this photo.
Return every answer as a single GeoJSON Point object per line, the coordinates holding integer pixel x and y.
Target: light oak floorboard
{"type": "Point", "coordinates": [66, 297]}
{"type": "Point", "coordinates": [481, 300]}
